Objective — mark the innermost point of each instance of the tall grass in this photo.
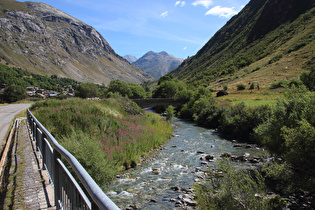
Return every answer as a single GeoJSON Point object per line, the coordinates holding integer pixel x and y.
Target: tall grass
{"type": "Point", "coordinates": [105, 136]}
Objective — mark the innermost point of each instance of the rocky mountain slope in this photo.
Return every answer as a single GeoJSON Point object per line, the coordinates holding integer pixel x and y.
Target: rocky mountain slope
{"type": "Point", "coordinates": [158, 64]}
{"type": "Point", "coordinates": [44, 40]}
{"type": "Point", "coordinates": [267, 36]}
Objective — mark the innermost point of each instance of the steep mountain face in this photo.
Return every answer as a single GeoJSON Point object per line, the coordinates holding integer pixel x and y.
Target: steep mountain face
{"type": "Point", "coordinates": [44, 40]}
{"type": "Point", "coordinates": [130, 58]}
{"type": "Point", "coordinates": [158, 64]}
{"type": "Point", "coordinates": [264, 29]}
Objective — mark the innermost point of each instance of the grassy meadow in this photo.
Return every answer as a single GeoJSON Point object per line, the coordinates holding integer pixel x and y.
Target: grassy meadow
{"type": "Point", "coordinates": [106, 136]}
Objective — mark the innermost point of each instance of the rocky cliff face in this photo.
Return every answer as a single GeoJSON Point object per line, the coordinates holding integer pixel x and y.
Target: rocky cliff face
{"type": "Point", "coordinates": [44, 40]}
{"type": "Point", "coordinates": [158, 64]}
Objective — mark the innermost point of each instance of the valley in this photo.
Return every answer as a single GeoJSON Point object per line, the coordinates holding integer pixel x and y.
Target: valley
{"type": "Point", "coordinates": [259, 133]}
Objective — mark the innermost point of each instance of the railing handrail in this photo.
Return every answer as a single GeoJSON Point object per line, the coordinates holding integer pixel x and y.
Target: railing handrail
{"type": "Point", "coordinates": [94, 191]}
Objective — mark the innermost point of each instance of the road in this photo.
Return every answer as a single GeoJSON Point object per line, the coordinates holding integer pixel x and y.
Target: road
{"type": "Point", "coordinates": [7, 113]}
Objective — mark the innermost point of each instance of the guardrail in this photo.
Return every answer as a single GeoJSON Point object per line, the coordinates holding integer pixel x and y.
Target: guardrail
{"type": "Point", "coordinates": [68, 193]}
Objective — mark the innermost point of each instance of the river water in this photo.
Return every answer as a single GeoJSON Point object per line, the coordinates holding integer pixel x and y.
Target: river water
{"type": "Point", "coordinates": [178, 163]}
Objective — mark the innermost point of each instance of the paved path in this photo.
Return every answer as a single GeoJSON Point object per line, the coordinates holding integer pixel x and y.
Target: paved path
{"type": "Point", "coordinates": [29, 186]}
{"type": "Point", "coordinates": [7, 113]}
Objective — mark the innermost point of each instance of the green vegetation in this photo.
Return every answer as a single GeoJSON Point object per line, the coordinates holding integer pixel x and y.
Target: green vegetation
{"type": "Point", "coordinates": [227, 187]}
{"type": "Point", "coordinates": [254, 35]}
{"type": "Point", "coordinates": [87, 90]}
{"type": "Point", "coordinates": [285, 127]}
{"type": "Point", "coordinates": [17, 76]}
{"type": "Point", "coordinates": [308, 79]}
{"type": "Point", "coordinates": [170, 113]}
{"type": "Point", "coordinates": [241, 87]}
{"type": "Point", "coordinates": [289, 130]}
{"type": "Point", "coordinates": [131, 90]}
{"type": "Point", "coordinates": [13, 93]}
{"type": "Point", "coordinates": [105, 136]}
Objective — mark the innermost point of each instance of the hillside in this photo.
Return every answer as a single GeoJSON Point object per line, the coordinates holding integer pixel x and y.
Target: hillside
{"type": "Point", "coordinates": [158, 64]}
{"type": "Point", "coordinates": [46, 41]}
{"type": "Point", "coordinates": [267, 41]}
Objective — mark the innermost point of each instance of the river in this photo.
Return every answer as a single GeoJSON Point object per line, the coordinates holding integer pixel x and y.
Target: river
{"type": "Point", "coordinates": [178, 163]}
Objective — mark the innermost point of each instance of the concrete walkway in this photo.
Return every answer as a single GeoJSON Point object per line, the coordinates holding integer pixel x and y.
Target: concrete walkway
{"type": "Point", "coordinates": [29, 186]}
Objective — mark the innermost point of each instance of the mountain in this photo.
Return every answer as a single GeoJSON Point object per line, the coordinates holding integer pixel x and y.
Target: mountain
{"type": "Point", "coordinates": [46, 41]}
{"type": "Point", "coordinates": [266, 37]}
{"type": "Point", "coordinates": [130, 58]}
{"type": "Point", "coordinates": [158, 64]}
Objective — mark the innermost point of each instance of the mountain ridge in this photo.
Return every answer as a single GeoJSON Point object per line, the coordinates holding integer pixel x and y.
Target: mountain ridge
{"type": "Point", "coordinates": [157, 64]}
{"type": "Point", "coordinates": [44, 40]}
{"type": "Point", "coordinates": [248, 37]}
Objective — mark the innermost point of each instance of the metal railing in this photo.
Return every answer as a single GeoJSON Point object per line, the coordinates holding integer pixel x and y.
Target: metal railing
{"type": "Point", "coordinates": [68, 193]}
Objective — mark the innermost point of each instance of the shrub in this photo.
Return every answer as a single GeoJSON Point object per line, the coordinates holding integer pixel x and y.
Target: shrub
{"type": "Point", "coordinates": [229, 188]}
{"type": "Point", "coordinates": [280, 84]}
{"type": "Point", "coordinates": [295, 82]}
{"type": "Point", "coordinates": [241, 87]}
{"type": "Point", "coordinates": [289, 130]}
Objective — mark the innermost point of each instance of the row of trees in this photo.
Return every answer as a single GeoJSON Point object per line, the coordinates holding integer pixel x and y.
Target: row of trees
{"type": "Point", "coordinates": [130, 90]}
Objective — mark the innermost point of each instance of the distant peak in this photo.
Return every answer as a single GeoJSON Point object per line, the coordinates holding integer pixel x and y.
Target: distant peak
{"type": "Point", "coordinates": [163, 53]}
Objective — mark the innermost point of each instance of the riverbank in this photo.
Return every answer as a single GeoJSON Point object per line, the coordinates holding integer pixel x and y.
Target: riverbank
{"type": "Point", "coordinates": [105, 136]}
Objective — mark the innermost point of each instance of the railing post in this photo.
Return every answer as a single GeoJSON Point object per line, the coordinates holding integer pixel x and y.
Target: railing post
{"type": "Point", "coordinates": [56, 180]}
{"type": "Point", "coordinates": [43, 150]}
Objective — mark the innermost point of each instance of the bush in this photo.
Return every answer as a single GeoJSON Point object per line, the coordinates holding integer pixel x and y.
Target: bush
{"type": "Point", "coordinates": [280, 84]}
{"type": "Point", "coordinates": [229, 188]}
{"type": "Point", "coordinates": [241, 87]}
{"type": "Point", "coordinates": [289, 130]}
{"type": "Point", "coordinates": [14, 93]}
{"type": "Point", "coordinates": [295, 82]}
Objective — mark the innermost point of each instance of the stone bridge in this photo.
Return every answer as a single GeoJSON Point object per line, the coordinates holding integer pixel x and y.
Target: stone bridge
{"type": "Point", "coordinates": [152, 102]}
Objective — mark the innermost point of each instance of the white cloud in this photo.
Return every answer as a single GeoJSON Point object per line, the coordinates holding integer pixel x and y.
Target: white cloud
{"type": "Point", "coordinates": [164, 14]}
{"type": "Point", "coordinates": [180, 3]}
{"type": "Point", "coordinates": [226, 12]}
{"type": "Point", "coordinates": [205, 3]}
{"type": "Point", "coordinates": [185, 48]}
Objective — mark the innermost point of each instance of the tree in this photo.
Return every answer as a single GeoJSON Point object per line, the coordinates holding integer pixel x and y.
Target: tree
{"type": "Point", "coordinates": [137, 91]}
{"type": "Point", "coordinates": [120, 87]}
{"type": "Point", "coordinates": [14, 93]}
{"type": "Point", "coordinates": [86, 90]}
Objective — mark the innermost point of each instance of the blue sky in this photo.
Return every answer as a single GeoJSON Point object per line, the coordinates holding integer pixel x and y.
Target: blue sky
{"type": "Point", "coordinates": [134, 27]}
